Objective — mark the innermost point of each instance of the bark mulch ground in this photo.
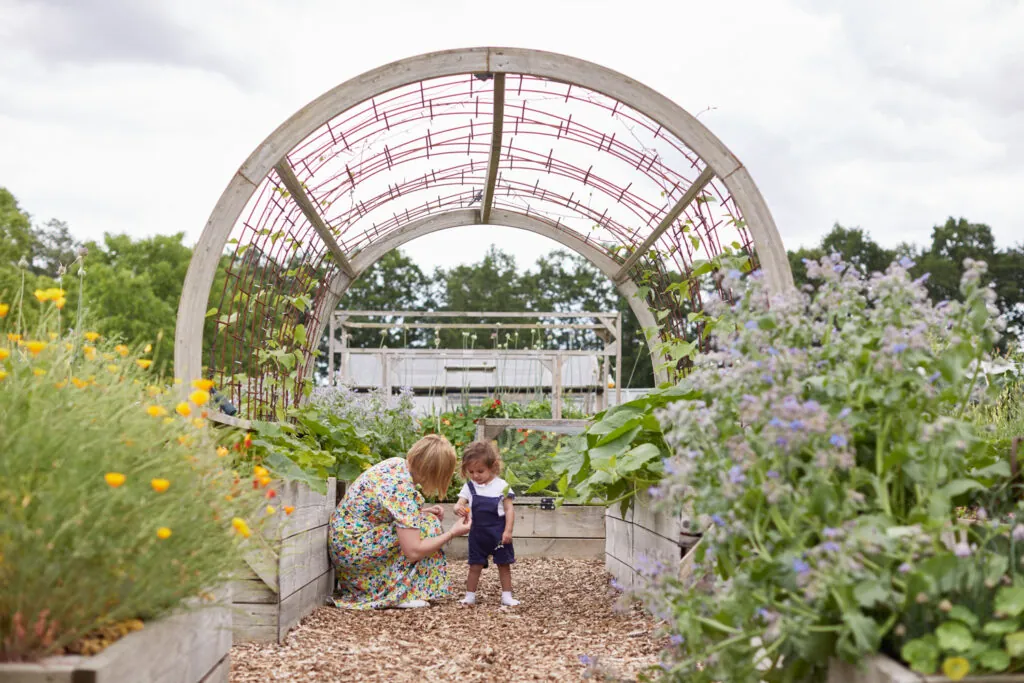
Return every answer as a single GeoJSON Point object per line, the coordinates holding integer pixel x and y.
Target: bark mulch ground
{"type": "Point", "coordinates": [567, 612]}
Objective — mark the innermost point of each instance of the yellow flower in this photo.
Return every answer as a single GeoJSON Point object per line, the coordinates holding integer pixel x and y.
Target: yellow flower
{"type": "Point", "coordinates": [59, 302]}
{"type": "Point", "coordinates": [199, 423]}
{"type": "Point", "coordinates": [260, 471]}
{"type": "Point", "coordinates": [241, 527]}
{"type": "Point", "coordinates": [199, 397]}
{"type": "Point", "coordinates": [61, 384]}
{"type": "Point", "coordinates": [114, 479]}
{"type": "Point", "coordinates": [149, 347]}
{"type": "Point", "coordinates": [177, 380]}
{"type": "Point", "coordinates": [4, 353]}
{"type": "Point", "coordinates": [12, 337]}
{"type": "Point", "coordinates": [265, 481]}
{"type": "Point", "coordinates": [53, 336]}
{"type": "Point", "coordinates": [109, 356]}
{"type": "Point", "coordinates": [154, 391]}
{"type": "Point", "coordinates": [89, 351]}
{"type": "Point", "coordinates": [159, 485]}
{"type": "Point", "coordinates": [184, 440]}
{"type": "Point", "coordinates": [183, 409]}
{"type": "Point", "coordinates": [35, 347]}
{"type": "Point", "coordinates": [168, 420]}
{"type": "Point", "coordinates": [54, 293]}
{"type": "Point", "coordinates": [202, 384]}
{"type": "Point", "coordinates": [3, 310]}
{"type": "Point", "coordinates": [69, 346]}
{"type": "Point", "coordinates": [113, 369]}
{"type": "Point", "coordinates": [956, 668]}
{"type": "Point", "coordinates": [156, 411]}
{"type": "Point", "coordinates": [271, 509]}
{"type": "Point", "coordinates": [80, 383]}
{"type": "Point", "coordinates": [38, 372]}
{"type": "Point", "coordinates": [289, 509]}
{"type": "Point", "coordinates": [41, 295]}
{"type": "Point", "coordinates": [122, 349]}
{"type": "Point", "coordinates": [222, 452]}
{"type": "Point", "coordinates": [163, 533]}
{"type": "Point", "coordinates": [3, 375]}
{"type": "Point", "coordinates": [92, 336]}
{"type": "Point", "coordinates": [143, 363]}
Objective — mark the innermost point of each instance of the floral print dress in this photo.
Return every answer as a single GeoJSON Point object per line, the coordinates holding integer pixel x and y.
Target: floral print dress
{"type": "Point", "coordinates": [371, 570]}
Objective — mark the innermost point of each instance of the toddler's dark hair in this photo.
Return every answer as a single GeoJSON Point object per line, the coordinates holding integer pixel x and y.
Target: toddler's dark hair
{"type": "Point", "coordinates": [485, 452]}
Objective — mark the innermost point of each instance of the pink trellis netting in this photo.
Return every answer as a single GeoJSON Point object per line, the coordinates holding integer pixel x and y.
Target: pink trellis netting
{"type": "Point", "coordinates": [532, 140]}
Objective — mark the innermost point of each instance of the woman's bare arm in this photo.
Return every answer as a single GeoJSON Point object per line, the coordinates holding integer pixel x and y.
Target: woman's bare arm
{"type": "Point", "coordinates": [416, 548]}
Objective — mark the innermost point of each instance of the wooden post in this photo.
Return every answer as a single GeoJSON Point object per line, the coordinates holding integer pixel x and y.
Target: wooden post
{"type": "Point", "coordinates": [556, 388]}
{"type": "Point", "coordinates": [618, 359]}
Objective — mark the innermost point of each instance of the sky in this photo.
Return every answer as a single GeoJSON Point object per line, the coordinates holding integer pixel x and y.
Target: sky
{"type": "Point", "coordinates": [130, 116]}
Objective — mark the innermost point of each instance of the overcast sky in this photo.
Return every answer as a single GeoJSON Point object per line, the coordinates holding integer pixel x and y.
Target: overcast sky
{"type": "Point", "coordinates": [132, 115]}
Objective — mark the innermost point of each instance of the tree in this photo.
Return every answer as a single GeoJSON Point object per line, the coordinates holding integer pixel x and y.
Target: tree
{"type": "Point", "coordinates": [54, 247]}
{"type": "Point", "coordinates": [16, 237]}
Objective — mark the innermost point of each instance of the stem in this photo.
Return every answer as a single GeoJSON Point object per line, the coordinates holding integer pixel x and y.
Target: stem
{"type": "Point", "coordinates": [970, 387]}
{"type": "Point", "coordinates": [718, 626]}
{"type": "Point", "coordinates": [883, 491]}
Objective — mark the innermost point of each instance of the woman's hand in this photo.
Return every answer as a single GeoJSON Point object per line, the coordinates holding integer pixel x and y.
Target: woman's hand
{"type": "Point", "coordinates": [461, 527]}
{"type": "Point", "coordinates": [435, 510]}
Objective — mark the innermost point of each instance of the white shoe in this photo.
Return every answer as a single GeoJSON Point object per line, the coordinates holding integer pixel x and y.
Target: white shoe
{"type": "Point", "coordinates": [413, 604]}
{"type": "Point", "coordinates": [509, 602]}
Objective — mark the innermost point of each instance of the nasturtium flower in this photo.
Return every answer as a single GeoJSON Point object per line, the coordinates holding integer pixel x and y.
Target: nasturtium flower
{"type": "Point", "coordinates": [260, 471]}
{"type": "Point", "coordinates": [183, 409]}
{"type": "Point", "coordinates": [956, 668]}
{"type": "Point", "coordinates": [91, 336]}
{"type": "Point", "coordinates": [271, 493]}
{"type": "Point", "coordinates": [4, 308]}
{"type": "Point", "coordinates": [271, 509]}
{"type": "Point", "coordinates": [264, 481]}
{"type": "Point", "coordinates": [222, 452]}
{"type": "Point", "coordinates": [114, 479]}
{"type": "Point", "coordinates": [160, 485]}
{"type": "Point", "coordinates": [143, 363]}
{"type": "Point", "coordinates": [202, 384]}
{"type": "Point", "coordinates": [4, 353]}
{"type": "Point", "coordinates": [163, 533]}
{"type": "Point", "coordinates": [241, 527]}
{"type": "Point", "coordinates": [199, 397]}
{"type": "Point", "coordinates": [289, 509]}
{"type": "Point", "coordinates": [198, 423]}
{"type": "Point", "coordinates": [184, 440]}
{"type": "Point", "coordinates": [61, 384]}
{"type": "Point", "coordinates": [156, 411]}
{"type": "Point", "coordinates": [35, 347]}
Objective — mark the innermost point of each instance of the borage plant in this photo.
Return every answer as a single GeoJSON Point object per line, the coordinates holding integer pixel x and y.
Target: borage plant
{"type": "Point", "coordinates": [824, 455]}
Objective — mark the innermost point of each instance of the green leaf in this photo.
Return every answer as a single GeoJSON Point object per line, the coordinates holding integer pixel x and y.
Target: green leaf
{"type": "Point", "coordinates": [999, 470]}
{"type": "Point", "coordinates": [288, 470]}
{"type": "Point", "coordinates": [1015, 644]}
{"type": "Point", "coordinates": [614, 448]}
{"type": "Point", "coordinates": [637, 457]}
{"type": "Point", "coordinates": [299, 335]}
{"type": "Point", "coordinates": [999, 628]}
{"type": "Point", "coordinates": [960, 486]}
{"type": "Point", "coordinates": [1010, 600]}
{"type": "Point", "coordinates": [540, 485]}
{"type": "Point", "coordinates": [994, 660]}
{"type": "Point", "coordinates": [954, 636]}
{"type": "Point", "coordinates": [868, 593]}
{"type": "Point", "coordinates": [212, 311]}
{"type": "Point", "coordinates": [961, 613]}
{"type": "Point", "coordinates": [921, 655]}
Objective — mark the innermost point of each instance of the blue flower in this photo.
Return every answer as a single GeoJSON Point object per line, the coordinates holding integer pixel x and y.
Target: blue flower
{"type": "Point", "coordinates": [767, 379]}
{"type": "Point", "coordinates": [906, 262]}
{"type": "Point", "coordinates": [617, 586]}
{"type": "Point", "coordinates": [775, 422]}
{"type": "Point", "coordinates": [844, 413]}
{"type": "Point", "coordinates": [772, 474]}
{"type": "Point", "coordinates": [586, 660]}
{"type": "Point", "coordinates": [830, 546]}
{"type": "Point", "coordinates": [670, 467]}
{"type": "Point", "coordinates": [717, 519]}
{"type": "Point", "coordinates": [921, 280]}
{"type": "Point", "coordinates": [899, 348]}
{"type": "Point", "coordinates": [772, 351]}
{"type": "Point", "coordinates": [675, 639]}
{"type": "Point", "coordinates": [830, 532]}
{"type": "Point", "coordinates": [654, 492]}
{"type": "Point", "coordinates": [736, 475]}
{"type": "Point", "coordinates": [801, 567]}
{"type": "Point", "coordinates": [781, 441]}
{"type": "Point", "coordinates": [934, 377]}
{"type": "Point", "coordinates": [904, 568]}
{"type": "Point", "coordinates": [796, 425]}
{"type": "Point", "coordinates": [735, 274]}
{"type": "Point", "coordinates": [750, 325]}
{"type": "Point", "coordinates": [838, 440]}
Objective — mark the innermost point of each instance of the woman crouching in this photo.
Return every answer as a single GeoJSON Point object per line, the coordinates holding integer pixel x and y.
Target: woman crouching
{"type": "Point", "coordinates": [385, 544]}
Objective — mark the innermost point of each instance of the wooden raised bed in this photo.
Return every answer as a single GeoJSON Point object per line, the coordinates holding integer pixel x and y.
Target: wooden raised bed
{"type": "Point", "coordinates": [278, 587]}
{"type": "Point", "coordinates": [644, 533]}
{"type": "Point", "coordinates": [190, 647]}
{"type": "Point", "coordinates": [566, 531]}
{"type": "Point", "coordinates": [882, 669]}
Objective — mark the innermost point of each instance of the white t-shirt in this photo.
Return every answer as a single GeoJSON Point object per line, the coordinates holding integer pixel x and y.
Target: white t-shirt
{"type": "Point", "coordinates": [495, 488]}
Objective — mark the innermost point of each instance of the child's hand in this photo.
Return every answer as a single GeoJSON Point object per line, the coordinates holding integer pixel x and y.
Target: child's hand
{"type": "Point", "coordinates": [461, 510]}
{"type": "Point", "coordinates": [506, 537]}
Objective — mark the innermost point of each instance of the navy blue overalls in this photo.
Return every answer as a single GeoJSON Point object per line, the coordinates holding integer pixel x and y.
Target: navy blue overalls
{"type": "Point", "coordinates": [485, 534]}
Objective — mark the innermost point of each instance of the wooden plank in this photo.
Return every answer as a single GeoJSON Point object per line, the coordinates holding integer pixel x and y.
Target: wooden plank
{"type": "Point", "coordinates": [303, 558]}
{"type": "Point", "coordinates": [656, 521]}
{"type": "Point", "coordinates": [654, 547]}
{"type": "Point", "coordinates": [583, 521]}
{"type": "Point", "coordinates": [474, 314]}
{"type": "Point", "coordinates": [620, 571]}
{"type": "Point", "coordinates": [309, 210]}
{"type": "Point", "coordinates": [303, 601]}
{"type": "Point", "coordinates": [458, 549]}
{"type": "Point", "coordinates": [264, 562]}
{"type": "Point", "coordinates": [253, 591]}
{"type": "Point", "coordinates": [619, 540]}
{"type": "Point", "coordinates": [255, 622]}
{"type": "Point", "coordinates": [221, 673]}
{"type": "Point", "coordinates": [553, 426]}
{"type": "Point", "coordinates": [497, 128]}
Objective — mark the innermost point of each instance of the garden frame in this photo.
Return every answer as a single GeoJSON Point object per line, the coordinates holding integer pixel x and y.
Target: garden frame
{"type": "Point", "coordinates": [291, 180]}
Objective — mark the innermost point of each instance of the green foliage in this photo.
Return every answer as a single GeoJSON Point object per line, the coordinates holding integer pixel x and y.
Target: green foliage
{"type": "Point", "coordinates": [81, 542]}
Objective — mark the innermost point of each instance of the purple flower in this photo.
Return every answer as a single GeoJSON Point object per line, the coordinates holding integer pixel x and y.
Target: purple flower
{"type": "Point", "coordinates": [675, 639]}
{"type": "Point", "coordinates": [830, 546]}
{"type": "Point", "coordinates": [617, 586]}
{"type": "Point", "coordinates": [796, 425]}
{"type": "Point", "coordinates": [830, 532]}
{"type": "Point", "coordinates": [906, 262]}
{"type": "Point", "coordinates": [767, 379]}
{"type": "Point", "coordinates": [921, 280]}
{"type": "Point", "coordinates": [844, 413]}
{"type": "Point", "coordinates": [775, 422]}
{"type": "Point", "coordinates": [1018, 532]}
{"type": "Point", "coordinates": [801, 567]}
{"type": "Point", "coordinates": [670, 467]}
{"type": "Point", "coordinates": [781, 441]}
{"type": "Point", "coordinates": [962, 549]}
{"type": "Point", "coordinates": [655, 492]}
{"type": "Point", "coordinates": [772, 351]}
{"type": "Point", "coordinates": [934, 377]}
{"type": "Point", "coordinates": [586, 660]}
{"type": "Point", "coordinates": [899, 348]}
{"type": "Point", "coordinates": [750, 325]}
{"type": "Point", "coordinates": [736, 475]}
{"type": "Point", "coordinates": [838, 440]}
{"type": "Point", "coordinates": [717, 519]}
{"type": "Point", "coordinates": [904, 568]}
{"type": "Point", "coordinates": [772, 474]}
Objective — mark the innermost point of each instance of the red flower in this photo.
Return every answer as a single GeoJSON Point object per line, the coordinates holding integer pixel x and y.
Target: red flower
{"type": "Point", "coordinates": [271, 493]}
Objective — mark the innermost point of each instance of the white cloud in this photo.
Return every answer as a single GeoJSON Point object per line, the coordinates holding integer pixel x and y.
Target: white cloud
{"type": "Point", "coordinates": [131, 117]}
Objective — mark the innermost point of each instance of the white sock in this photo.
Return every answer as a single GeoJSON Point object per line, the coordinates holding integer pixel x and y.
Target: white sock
{"type": "Point", "coordinates": [470, 598]}
{"type": "Point", "coordinates": [507, 599]}
{"type": "Point", "coordinates": [413, 604]}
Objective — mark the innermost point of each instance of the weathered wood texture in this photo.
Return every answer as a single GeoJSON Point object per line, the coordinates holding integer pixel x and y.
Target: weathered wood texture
{"type": "Point", "coordinates": [642, 537]}
{"type": "Point", "coordinates": [192, 646]}
{"type": "Point", "coordinates": [882, 669]}
{"type": "Point", "coordinates": [567, 531]}
{"type": "Point", "coordinates": [277, 588]}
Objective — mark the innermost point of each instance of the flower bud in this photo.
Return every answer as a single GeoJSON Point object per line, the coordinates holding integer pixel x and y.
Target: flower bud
{"type": "Point", "coordinates": [945, 605]}
{"type": "Point", "coordinates": [921, 598]}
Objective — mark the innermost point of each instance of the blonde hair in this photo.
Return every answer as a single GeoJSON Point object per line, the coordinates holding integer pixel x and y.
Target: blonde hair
{"type": "Point", "coordinates": [432, 463]}
{"type": "Point", "coordinates": [484, 451]}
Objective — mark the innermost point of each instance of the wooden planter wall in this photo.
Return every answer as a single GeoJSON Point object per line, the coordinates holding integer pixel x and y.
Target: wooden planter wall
{"type": "Point", "coordinates": [277, 589]}
{"type": "Point", "coordinates": [567, 531]}
{"type": "Point", "coordinates": [643, 533]}
{"type": "Point", "coordinates": [191, 647]}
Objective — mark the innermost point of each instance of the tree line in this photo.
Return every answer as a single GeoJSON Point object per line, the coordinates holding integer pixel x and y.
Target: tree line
{"type": "Point", "coordinates": [132, 286]}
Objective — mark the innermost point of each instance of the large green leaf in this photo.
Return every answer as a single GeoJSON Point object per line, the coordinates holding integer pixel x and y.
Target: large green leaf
{"type": "Point", "coordinates": [1010, 600]}
{"type": "Point", "coordinates": [613, 448]}
{"type": "Point", "coordinates": [954, 636]}
{"type": "Point", "coordinates": [637, 457]}
{"type": "Point", "coordinates": [287, 470]}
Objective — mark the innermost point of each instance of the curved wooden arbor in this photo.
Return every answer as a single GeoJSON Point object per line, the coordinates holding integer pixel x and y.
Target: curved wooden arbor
{"type": "Point", "coordinates": [484, 136]}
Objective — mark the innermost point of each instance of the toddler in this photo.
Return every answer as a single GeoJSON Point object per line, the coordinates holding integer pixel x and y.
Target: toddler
{"type": "Point", "coordinates": [487, 499]}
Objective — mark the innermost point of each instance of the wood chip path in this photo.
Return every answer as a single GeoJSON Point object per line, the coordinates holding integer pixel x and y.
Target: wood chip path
{"type": "Point", "coordinates": [567, 612]}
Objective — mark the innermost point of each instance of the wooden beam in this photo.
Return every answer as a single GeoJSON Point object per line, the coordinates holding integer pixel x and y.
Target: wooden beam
{"type": "Point", "coordinates": [470, 326]}
{"type": "Point", "coordinates": [300, 197]}
{"type": "Point", "coordinates": [472, 314]}
{"type": "Point", "coordinates": [698, 185]}
{"type": "Point", "coordinates": [492, 163]}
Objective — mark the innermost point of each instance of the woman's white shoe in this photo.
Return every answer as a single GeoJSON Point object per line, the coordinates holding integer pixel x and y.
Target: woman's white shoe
{"type": "Point", "coordinates": [413, 604]}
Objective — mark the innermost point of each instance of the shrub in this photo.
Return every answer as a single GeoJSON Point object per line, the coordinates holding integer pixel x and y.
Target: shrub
{"type": "Point", "coordinates": [824, 452]}
{"type": "Point", "coordinates": [114, 502]}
